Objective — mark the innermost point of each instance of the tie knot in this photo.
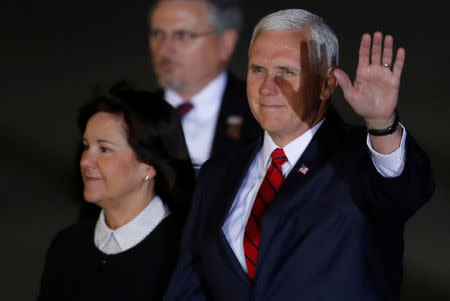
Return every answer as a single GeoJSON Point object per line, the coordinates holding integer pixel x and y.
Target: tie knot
{"type": "Point", "coordinates": [278, 157]}
{"type": "Point", "coordinates": [184, 108]}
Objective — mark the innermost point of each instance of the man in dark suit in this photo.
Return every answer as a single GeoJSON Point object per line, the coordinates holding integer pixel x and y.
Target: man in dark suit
{"type": "Point", "coordinates": [315, 209]}
{"type": "Point", "coordinates": [191, 43]}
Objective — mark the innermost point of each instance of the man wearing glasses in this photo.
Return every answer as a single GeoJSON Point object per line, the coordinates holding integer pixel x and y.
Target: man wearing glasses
{"type": "Point", "coordinates": [191, 43]}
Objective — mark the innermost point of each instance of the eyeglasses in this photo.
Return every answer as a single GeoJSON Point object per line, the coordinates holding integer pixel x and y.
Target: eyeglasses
{"type": "Point", "coordinates": [180, 36]}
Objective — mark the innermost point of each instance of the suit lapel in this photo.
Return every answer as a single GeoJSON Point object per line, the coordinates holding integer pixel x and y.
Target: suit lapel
{"type": "Point", "coordinates": [294, 192]}
{"type": "Point", "coordinates": [229, 125]}
{"type": "Point", "coordinates": [237, 169]}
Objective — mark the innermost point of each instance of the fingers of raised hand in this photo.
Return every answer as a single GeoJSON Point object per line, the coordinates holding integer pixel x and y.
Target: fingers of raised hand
{"type": "Point", "coordinates": [364, 51]}
{"type": "Point", "coordinates": [376, 52]}
{"type": "Point", "coordinates": [345, 83]}
{"type": "Point", "coordinates": [387, 56]}
{"type": "Point", "coordinates": [386, 60]}
{"type": "Point", "coordinates": [399, 61]}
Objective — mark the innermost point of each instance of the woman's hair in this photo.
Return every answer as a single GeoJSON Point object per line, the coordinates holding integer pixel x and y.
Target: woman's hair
{"type": "Point", "coordinates": [155, 134]}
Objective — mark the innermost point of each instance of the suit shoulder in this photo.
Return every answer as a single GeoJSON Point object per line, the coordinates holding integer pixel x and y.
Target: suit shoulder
{"type": "Point", "coordinates": [235, 95]}
{"type": "Point", "coordinates": [235, 82]}
{"type": "Point", "coordinates": [218, 163]}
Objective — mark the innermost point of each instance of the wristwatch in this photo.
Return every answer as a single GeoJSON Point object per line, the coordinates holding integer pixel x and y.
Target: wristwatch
{"type": "Point", "coordinates": [387, 131]}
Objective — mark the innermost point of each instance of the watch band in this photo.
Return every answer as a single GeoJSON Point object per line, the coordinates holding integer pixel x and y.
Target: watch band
{"type": "Point", "coordinates": [387, 131]}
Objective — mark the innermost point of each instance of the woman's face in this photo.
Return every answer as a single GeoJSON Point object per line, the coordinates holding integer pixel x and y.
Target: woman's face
{"type": "Point", "coordinates": [111, 172]}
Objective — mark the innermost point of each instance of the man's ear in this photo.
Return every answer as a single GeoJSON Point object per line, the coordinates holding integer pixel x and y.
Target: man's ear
{"type": "Point", "coordinates": [229, 39]}
{"type": "Point", "coordinates": [328, 84]}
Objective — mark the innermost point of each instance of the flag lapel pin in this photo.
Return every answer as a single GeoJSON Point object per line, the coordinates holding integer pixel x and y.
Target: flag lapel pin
{"type": "Point", "coordinates": [303, 169]}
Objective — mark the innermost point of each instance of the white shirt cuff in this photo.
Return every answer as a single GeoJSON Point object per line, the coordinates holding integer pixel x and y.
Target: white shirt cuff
{"type": "Point", "coordinates": [391, 165]}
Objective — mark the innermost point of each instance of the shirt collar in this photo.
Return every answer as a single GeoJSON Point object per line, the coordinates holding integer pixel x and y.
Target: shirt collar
{"type": "Point", "coordinates": [133, 232]}
{"type": "Point", "coordinates": [207, 100]}
{"type": "Point", "coordinates": [293, 150]}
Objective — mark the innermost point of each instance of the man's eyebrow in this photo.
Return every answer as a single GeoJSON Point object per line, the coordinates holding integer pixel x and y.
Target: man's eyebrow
{"type": "Point", "coordinates": [285, 67]}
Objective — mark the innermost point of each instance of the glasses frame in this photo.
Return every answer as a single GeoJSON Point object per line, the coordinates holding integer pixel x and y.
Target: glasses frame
{"type": "Point", "coordinates": [179, 36]}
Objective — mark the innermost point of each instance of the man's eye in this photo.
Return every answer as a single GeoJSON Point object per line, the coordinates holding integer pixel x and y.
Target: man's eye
{"type": "Point", "coordinates": [156, 34]}
{"type": "Point", "coordinates": [257, 69]}
{"type": "Point", "coordinates": [183, 35]}
{"type": "Point", "coordinates": [285, 71]}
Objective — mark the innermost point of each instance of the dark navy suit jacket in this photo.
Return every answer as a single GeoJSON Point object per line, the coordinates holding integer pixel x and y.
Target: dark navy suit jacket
{"type": "Point", "coordinates": [334, 233]}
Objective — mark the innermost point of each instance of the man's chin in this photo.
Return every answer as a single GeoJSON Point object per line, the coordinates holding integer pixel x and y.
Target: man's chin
{"type": "Point", "coordinates": [172, 84]}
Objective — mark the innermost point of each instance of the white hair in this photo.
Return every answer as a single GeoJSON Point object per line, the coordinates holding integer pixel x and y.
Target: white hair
{"type": "Point", "coordinates": [325, 42]}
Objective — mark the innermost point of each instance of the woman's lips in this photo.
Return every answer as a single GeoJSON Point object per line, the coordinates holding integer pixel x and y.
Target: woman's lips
{"type": "Point", "coordinates": [90, 179]}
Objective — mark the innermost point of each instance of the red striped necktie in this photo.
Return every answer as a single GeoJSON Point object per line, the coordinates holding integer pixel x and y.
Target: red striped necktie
{"type": "Point", "coordinates": [269, 186]}
{"type": "Point", "coordinates": [184, 108]}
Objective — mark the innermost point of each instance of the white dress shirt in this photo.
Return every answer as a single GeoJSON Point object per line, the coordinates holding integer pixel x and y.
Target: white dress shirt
{"type": "Point", "coordinates": [127, 236]}
{"type": "Point", "coordinates": [234, 227]}
{"type": "Point", "coordinates": [199, 124]}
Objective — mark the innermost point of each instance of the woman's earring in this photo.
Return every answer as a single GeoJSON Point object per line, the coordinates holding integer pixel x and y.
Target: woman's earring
{"type": "Point", "coordinates": [146, 178]}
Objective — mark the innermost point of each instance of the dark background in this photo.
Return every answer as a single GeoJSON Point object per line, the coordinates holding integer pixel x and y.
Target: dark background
{"type": "Point", "coordinates": [53, 53]}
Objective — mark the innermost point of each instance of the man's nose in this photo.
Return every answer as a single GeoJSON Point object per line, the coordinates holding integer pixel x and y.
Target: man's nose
{"type": "Point", "coordinates": [167, 45]}
{"type": "Point", "coordinates": [268, 86]}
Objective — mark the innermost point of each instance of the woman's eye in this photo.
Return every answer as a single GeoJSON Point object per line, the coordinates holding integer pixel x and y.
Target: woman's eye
{"type": "Point", "coordinates": [104, 149]}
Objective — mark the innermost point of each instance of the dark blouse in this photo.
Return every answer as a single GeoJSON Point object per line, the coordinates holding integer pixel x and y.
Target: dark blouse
{"type": "Point", "coordinates": [76, 270]}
